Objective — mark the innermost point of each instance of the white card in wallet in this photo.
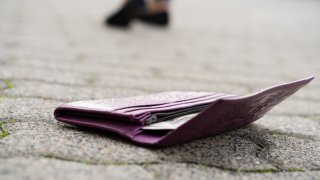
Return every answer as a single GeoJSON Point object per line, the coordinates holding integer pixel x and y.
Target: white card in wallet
{"type": "Point", "coordinates": [170, 124]}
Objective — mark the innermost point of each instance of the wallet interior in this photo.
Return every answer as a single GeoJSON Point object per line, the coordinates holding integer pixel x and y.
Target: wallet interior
{"type": "Point", "coordinates": [122, 125]}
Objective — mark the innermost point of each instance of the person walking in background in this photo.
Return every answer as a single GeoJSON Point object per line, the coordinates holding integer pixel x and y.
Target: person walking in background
{"type": "Point", "coordinates": [150, 11]}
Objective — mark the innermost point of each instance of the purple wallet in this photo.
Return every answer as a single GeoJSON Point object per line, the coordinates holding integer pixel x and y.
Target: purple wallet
{"type": "Point", "coordinates": [169, 118]}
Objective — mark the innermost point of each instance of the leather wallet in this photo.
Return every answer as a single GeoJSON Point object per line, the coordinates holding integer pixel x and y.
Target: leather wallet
{"type": "Point", "coordinates": [142, 119]}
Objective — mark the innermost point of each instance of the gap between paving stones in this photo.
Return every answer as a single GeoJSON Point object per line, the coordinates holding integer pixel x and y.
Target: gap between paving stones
{"type": "Point", "coordinates": [261, 145]}
{"type": "Point", "coordinates": [259, 149]}
{"type": "Point", "coordinates": [147, 164]}
{"type": "Point", "coordinates": [76, 84]}
{"type": "Point", "coordinates": [3, 132]}
{"type": "Point", "coordinates": [8, 83]}
{"type": "Point", "coordinates": [34, 97]}
{"type": "Point", "coordinates": [178, 77]}
{"type": "Point", "coordinates": [88, 85]}
{"type": "Point", "coordinates": [88, 81]}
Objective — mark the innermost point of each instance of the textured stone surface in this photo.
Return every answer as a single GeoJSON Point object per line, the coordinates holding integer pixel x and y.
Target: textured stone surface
{"type": "Point", "coordinates": [46, 168]}
{"type": "Point", "coordinates": [191, 171]}
{"type": "Point", "coordinates": [291, 125]}
{"type": "Point", "coordinates": [27, 109]}
{"type": "Point", "coordinates": [54, 51]}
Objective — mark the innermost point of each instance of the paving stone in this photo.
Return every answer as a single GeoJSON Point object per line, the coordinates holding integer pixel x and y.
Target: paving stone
{"type": "Point", "coordinates": [291, 125]}
{"type": "Point", "coordinates": [223, 151]}
{"type": "Point", "coordinates": [67, 142]}
{"type": "Point", "coordinates": [46, 168]}
{"type": "Point", "coordinates": [297, 107]}
{"type": "Point", "coordinates": [288, 152]}
{"type": "Point", "coordinates": [284, 151]}
{"type": "Point", "coordinates": [66, 93]}
{"type": "Point", "coordinates": [27, 109]}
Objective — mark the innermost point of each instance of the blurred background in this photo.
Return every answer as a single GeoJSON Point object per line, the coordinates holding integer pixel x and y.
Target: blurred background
{"type": "Point", "coordinates": [233, 46]}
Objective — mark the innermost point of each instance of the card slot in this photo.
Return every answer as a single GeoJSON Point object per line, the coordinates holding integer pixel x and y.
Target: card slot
{"type": "Point", "coordinates": [180, 106]}
{"type": "Point", "coordinates": [169, 105]}
{"type": "Point", "coordinates": [62, 112]}
{"type": "Point", "coordinates": [149, 106]}
{"type": "Point", "coordinates": [170, 124]}
{"type": "Point", "coordinates": [168, 115]}
{"type": "Point", "coordinates": [182, 112]}
{"type": "Point", "coordinates": [189, 109]}
{"type": "Point", "coordinates": [122, 128]}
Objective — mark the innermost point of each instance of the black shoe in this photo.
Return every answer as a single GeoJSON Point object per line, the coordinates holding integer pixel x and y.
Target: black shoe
{"type": "Point", "coordinates": [161, 19]}
{"type": "Point", "coordinates": [123, 17]}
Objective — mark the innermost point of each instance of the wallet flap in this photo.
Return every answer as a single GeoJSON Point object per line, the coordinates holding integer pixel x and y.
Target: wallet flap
{"type": "Point", "coordinates": [227, 114]}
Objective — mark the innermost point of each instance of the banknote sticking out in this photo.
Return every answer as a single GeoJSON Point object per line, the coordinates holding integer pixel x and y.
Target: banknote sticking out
{"type": "Point", "coordinates": [170, 124]}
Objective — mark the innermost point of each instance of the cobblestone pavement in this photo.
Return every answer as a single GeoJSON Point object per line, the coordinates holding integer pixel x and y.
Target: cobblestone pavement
{"type": "Point", "coordinates": [55, 51]}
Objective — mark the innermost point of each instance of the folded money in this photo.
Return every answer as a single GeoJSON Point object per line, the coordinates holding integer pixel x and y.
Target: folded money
{"type": "Point", "coordinates": [173, 117]}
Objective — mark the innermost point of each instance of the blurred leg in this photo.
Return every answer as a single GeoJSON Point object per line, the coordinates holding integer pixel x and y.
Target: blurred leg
{"type": "Point", "coordinates": [150, 11]}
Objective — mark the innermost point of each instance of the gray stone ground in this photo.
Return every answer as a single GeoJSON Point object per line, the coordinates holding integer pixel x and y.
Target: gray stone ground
{"type": "Point", "coordinates": [55, 51]}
